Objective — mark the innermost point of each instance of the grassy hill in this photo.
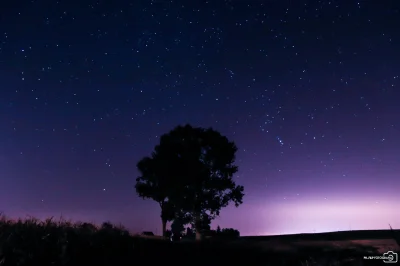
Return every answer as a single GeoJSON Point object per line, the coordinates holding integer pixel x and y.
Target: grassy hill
{"type": "Point", "coordinates": [332, 236]}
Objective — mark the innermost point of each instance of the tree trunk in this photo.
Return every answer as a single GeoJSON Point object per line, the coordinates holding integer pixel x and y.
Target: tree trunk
{"type": "Point", "coordinates": [164, 227]}
{"type": "Point", "coordinates": [198, 235]}
{"type": "Point", "coordinates": [198, 228]}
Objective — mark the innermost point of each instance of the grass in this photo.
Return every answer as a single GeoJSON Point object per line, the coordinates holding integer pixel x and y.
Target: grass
{"type": "Point", "coordinates": [34, 242]}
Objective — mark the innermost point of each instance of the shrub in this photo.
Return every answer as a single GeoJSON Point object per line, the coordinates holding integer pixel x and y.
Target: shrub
{"type": "Point", "coordinates": [49, 242]}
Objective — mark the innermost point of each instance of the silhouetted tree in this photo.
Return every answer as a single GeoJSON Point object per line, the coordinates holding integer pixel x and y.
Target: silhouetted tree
{"type": "Point", "coordinates": [218, 230]}
{"type": "Point", "coordinates": [155, 184]}
{"type": "Point", "coordinates": [199, 169]}
{"type": "Point", "coordinates": [177, 227]}
{"type": "Point", "coordinates": [229, 233]}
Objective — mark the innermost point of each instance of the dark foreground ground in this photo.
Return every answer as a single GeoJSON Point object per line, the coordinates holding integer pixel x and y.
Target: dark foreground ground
{"type": "Point", "coordinates": [333, 236]}
{"type": "Point", "coordinates": [33, 242]}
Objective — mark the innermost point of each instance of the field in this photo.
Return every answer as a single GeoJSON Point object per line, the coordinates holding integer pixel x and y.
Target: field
{"type": "Point", "coordinates": [380, 241]}
{"type": "Point", "coordinates": [347, 247]}
{"type": "Point", "coordinates": [33, 242]}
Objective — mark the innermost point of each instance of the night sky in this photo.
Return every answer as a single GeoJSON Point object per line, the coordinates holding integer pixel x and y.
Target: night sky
{"type": "Point", "coordinates": [310, 93]}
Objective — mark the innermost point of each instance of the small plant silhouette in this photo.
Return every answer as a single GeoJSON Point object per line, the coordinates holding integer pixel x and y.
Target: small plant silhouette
{"type": "Point", "coordinates": [395, 235]}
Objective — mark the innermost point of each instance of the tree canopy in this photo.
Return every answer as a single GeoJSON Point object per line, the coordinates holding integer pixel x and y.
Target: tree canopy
{"type": "Point", "coordinates": [191, 171]}
{"type": "Point", "coordinates": [153, 183]}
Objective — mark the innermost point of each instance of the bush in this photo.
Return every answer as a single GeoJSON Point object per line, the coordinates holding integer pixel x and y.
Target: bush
{"type": "Point", "coordinates": [49, 242]}
{"type": "Point", "coordinates": [226, 233]}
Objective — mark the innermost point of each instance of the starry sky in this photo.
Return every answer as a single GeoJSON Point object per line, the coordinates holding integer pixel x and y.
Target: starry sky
{"type": "Point", "coordinates": [308, 90]}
